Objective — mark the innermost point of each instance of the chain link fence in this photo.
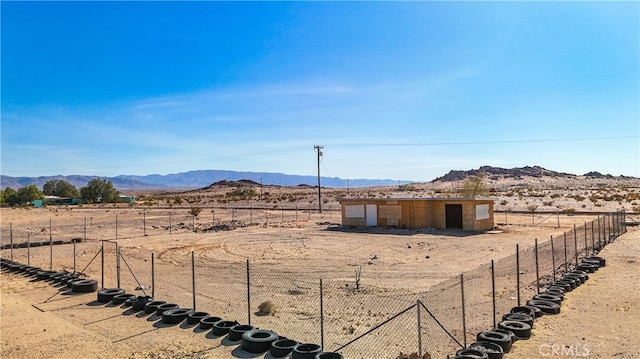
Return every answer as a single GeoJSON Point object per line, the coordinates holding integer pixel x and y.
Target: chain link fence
{"type": "Point", "coordinates": [338, 313]}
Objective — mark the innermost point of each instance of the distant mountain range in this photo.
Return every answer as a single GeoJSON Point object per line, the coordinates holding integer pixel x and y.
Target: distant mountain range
{"type": "Point", "coordinates": [197, 179]}
{"type": "Point", "coordinates": [204, 178]}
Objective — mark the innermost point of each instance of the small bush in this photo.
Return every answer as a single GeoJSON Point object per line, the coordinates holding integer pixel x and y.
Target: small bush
{"type": "Point", "coordinates": [267, 308]}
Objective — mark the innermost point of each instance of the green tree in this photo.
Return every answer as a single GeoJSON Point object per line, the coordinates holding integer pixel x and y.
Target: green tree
{"type": "Point", "coordinates": [98, 190]}
{"type": "Point", "coordinates": [60, 188]}
{"type": "Point", "coordinates": [475, 186]}
{"type": "Point", "coordinates": [29, 193]}
{"type": "Point", "coordinates": [10, 196]}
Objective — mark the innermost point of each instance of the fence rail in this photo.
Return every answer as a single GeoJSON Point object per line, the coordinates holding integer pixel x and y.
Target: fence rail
{"type": "Point", "coordinates": [356, 321]}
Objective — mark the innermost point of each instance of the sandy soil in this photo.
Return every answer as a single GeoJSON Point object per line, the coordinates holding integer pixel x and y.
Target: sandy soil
{"type": "Point", "coordinates": [40, 321]}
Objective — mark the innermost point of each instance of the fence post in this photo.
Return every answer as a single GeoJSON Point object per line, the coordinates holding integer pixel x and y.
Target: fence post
{"type": "Point", "coordinates": [599, 231]}
{"type": "Point", "coordinates": [118, 265]}
{"type": "Point", "coordinates": [102, 264]}
{"type": "Point", "coordinates": [169, 223]}
{"type": "Point", "coordinates": [553, 261]}
{"type": "Point", "coordinates": [586, 242]}
{"type": "Point", "coordinates": [593, 240]}
{"type": "Point", "coordinates": [248, 296]}
{"type": "Point", "coordinates": [153, 276]}
{"type": "Point", "coordinates": [517, 274]}
{"type": "Point", "coordinates": [493, 292]}
{"type": "Point", "coordinates": [193, 279]}
{"type": "Point", "coordinates": [116, 226]}
{"type": "Point", "coordinates": [321, 314]}
{"type": "Point", "coordinates": [464, 315]}
{"type": "Point", "coordinates": [74, 256]}
{"type": "Point", "coordinates": [575, 243]}
{"type": "Point", "coordinates": [11, 241]}
{"type": "Point", "coordinates": [566, 260]}
{"type": "Point", "coordinates": [420, 329]}
{"type": "Point", "coordinates": [537, 268]}
{"type": "Point", "coordinates": [144, 223]}
{"type": "Point", "coordinates": [85, 229]}
{"type": "Point", "coordinates": [50, 247]}
{"type": "Point", "coordinates": [29, 253]}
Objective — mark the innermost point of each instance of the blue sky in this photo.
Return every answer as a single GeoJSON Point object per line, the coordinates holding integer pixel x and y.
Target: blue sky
{"type": "Point", "coordinates": [403, 91]}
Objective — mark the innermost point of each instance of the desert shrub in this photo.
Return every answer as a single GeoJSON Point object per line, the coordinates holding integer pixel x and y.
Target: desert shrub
{"type": "Point", "coordinates": [503, 202]}
{"type": "Point", "coordinates": [267, 308]}
{"type": "Point", "coordinates": [568, 211]}
{"type": "Point", "coordinates": [548, 203]}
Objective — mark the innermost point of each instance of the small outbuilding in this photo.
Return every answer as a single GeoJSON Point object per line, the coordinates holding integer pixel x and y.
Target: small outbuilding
{"type": "Point", "coordinates": [415, 213]}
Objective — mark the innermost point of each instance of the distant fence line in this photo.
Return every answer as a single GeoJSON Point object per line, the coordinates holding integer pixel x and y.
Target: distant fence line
{"type": "Point", "coordinates": [358, 322]}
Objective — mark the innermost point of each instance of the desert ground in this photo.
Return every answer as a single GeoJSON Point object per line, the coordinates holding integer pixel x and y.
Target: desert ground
{"type": "Point", "coordinates": [290, 247]}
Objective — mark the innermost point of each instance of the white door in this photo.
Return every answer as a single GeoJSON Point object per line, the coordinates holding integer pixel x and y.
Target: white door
{"type": "Point", "coordinates": [372, 215]}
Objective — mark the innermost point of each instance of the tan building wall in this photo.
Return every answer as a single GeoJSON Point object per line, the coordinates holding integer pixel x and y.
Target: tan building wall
{"type": "Point", "coordinates": [476, 215]}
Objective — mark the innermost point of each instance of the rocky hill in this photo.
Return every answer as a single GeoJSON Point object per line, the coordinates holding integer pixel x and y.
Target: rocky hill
{"type": "Point", "coordinates": [498, 173]}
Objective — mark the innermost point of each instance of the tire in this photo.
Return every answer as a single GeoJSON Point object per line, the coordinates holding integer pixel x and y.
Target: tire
{"type": "Point", "coordinates": [152, 306]}
{"type": "Point", "coordinates": [524, 310]}
{"type": "Point", "coordinates": [566, 286]}
{"type": "Point", "coordinates": [282, 347]}
{"type": "Point", "coordinates": [43, 274]}
{"type": "Point", "coordinates": [69, 278]}
{"type": "Point", "coordinates": [236, 332]}
{"type": "Point", "coordinates": [222, 327]}
{"type": "Point", "coordinates": [502, 339]}
{"type": "Point", "coordinates": [587, 267]}
{"type": "Point", "coordinates": [577, 277]}
{"type": "Point", "coordinates": [601, 261]}
{"type": "Point", "coordinates": [472, 353]}
{"type": "Point", "coordinates": [106, 295]}
{"type": "Point", "coordinates": [139, 303]}
{"type": "Point", "coordinates": [521, 330]}
{"type": "Point", "coordinates": [545, 306]}
{"type": "Point", "coordinates": [176, 315]}
{"type": "Point", "coordinates": [581, 273]}
{"type": "Point", "coordinates": [71, 281]}
{"type": "Point", "coordinates": [208, 322]}
{"type": "Point", "coordinates": [195, 317]}
{"type": "Point", "coordinates": [84, 286]}
{"type": "Point", "coordinates": [121, 298]}
{"type": "Point", "coordinates": [566, 282]}
{"type": "Point", "coordinates": [306, 351]}
{"type": "Point", "coordinates": [519, 317]}
{"type": "Point", "coordinates": [258, 341]}
{"type": "Point", "coordinates": [512, 336]}
{"type": "Point", "coordinates": [556, 288]}
{"type": "Point", "coordinates": [166, 306]}
{"type": "Point", "coordinates": [555, 293]}
{"type": "Point", "coordinates": [329, 355]}
{"type": "Point", "coordinates": [548, 297]}
{"type": "Point", "coordinates": [493, 350]}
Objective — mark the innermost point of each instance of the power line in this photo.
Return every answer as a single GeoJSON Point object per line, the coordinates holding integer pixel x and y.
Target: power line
{"type": "Point", "coordinates": [484, 142]}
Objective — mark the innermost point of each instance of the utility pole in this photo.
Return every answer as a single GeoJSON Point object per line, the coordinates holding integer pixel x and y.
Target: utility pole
{"type": "Point", "coordinates": [318, 149]}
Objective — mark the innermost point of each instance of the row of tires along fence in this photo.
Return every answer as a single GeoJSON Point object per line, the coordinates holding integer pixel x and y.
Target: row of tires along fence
{"type": "Point", "coordinates": [365, 322]}
{"type": "Point", "coordinates": [250, 339]}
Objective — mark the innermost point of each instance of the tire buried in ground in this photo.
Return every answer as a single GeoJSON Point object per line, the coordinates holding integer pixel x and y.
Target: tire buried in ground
{"type": "Point", "coordinates": [493, 350]}
{"type": "Point", "coordinates": [235, 332]}
{"type": "Point", "coordinates": [502, 339]}
{"type": "Point", "coordinates": [166, 306]}
{"type": "Point", "coordinates": [329, 355]}
{"type": "Point", "coordinates": [521, 330]}
{"type": "Point", "coordinates": [282, 347]}
{"type": "Point", "coordinates": [548, 297]}
{"type": "Point", "coordinates": [121, 298]}
{"type": "Point", "coordinates": [106, 295]}
{"type": "Point", "coordinates": [84, 286]}
{"type": "Point", "coordinates": [208, 322]}
{"type": "Point", "coordinates": [519, 317]}
{"type": "Point", "coordinates": [545, 306]}
{"type": "Point", "coordinates": [305, 351]}
{"type": "Point", "coordinates": [152, 306]}
{"type": "Point", "coordinates": [258, 340]}
{"type": "Point", "coordinates": [176, 315]}
{"type": "Point", "coordinates": [222, 327]}
{"type": "Point", "coordinates": [195, 317]}
{"type": "Point", "coordinates": [139, 303]}
{"type": "Point", "coordinates": [472, 353]}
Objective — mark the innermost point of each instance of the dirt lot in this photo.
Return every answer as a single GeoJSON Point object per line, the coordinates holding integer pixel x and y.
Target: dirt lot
{"type": "Point", "coordinates": [40, 321]}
